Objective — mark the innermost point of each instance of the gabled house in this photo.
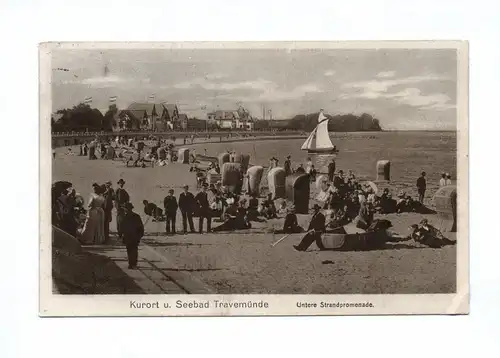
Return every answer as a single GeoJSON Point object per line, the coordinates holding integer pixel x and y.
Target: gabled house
{"type": "Point", "coordinates": [155, 116]}
{"type": "Point", "coordinates": [230, 120]}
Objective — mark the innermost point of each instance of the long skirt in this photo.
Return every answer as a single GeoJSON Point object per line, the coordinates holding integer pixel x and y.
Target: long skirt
{"type": "Point", "coordinates": [93, 230]}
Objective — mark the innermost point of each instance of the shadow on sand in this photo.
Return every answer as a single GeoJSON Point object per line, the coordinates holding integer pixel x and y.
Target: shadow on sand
{"type": "Point", "coordinates": [90, 273]}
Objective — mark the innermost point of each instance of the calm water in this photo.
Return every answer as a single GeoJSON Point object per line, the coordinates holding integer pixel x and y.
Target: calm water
{"type": "Point", "coordinates": [409, 152]}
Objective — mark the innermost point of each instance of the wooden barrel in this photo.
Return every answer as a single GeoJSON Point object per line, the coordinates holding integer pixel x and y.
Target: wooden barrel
{"type": "Point", "coordinates": [445, 201]}
{"type": "Point", "coordinates": [231, 177]}
{"type": "Point", "coordinates": [297, 187]}
{"type": "Point", "coordinates": [223, 158]}
{"type": "Point", "coordinates": [254, 175]}
{"type": "Point", "coordinates": [321, 181]}
{"type": "Point", "coordinates": [183, 156]}
{"type": "Point", "coordinates": [383, 170]}
{"type": "Point", "coordinates": [276, 181]}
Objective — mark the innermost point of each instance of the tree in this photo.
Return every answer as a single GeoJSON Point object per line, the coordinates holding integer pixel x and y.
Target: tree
{"type": "Point", "coordinates": [80, 118]}
{"type": "Point", "coordinates": [109, 120]}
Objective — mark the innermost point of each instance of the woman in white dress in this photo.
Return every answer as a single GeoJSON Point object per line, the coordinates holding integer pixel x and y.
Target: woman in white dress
{"type": "Point", "coordinates": [93, 230]}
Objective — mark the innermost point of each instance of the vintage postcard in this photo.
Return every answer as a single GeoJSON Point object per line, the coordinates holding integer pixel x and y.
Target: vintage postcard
{"type": "Point", "coordinates": [245, 178]}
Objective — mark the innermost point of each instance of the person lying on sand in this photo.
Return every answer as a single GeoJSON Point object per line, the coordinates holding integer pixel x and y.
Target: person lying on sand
{"type": "Point", "coordinates": [428, 235]}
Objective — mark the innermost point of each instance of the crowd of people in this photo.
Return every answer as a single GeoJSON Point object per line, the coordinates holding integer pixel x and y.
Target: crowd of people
{"type": "Point", "coordinates": [91, 225]}
{"type": "Point", "coordinates": [343, 199]}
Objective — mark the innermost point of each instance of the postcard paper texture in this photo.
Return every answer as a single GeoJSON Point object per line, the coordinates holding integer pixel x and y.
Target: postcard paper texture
{"type": "Point", "coordinates": [274, 178]}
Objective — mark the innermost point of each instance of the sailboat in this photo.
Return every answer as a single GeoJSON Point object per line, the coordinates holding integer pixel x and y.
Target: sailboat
{"type": "Point", "coordinates": [319, 141]}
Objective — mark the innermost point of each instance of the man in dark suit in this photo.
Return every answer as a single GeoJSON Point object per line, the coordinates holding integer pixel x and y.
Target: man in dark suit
{"type": "Point", "coordinates": [170, 204]}
{"type": "Point", "coordinates": [291, 224]}
{"type": "Point", "coordinates": [288, 166]}
{"type": "Point", "coordinates": [339, 181]}
{"type": "Point", "coordinates": [121, 198]}
{"type": "Point", "coordinates": [109, 196]}
{"type": "Point", "coordinates": [133, 231]}
{"type": "Point", "coordinates": [331, 170]}
{"type": "Point", "coordinates": [186, 204]}
{"type": "Point", "coordinates": [421, 187]}
{"type": "Point", "coordinates": [202, 200]}
{"type": "Point", "coordinates": [314, 231]}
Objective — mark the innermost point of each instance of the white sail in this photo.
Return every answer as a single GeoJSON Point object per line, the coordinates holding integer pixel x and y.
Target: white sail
{"type": "Point", "coordinates": [319, 139]}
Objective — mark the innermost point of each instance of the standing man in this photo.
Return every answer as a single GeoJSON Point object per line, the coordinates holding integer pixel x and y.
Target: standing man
{"type": "Point", "coordinates": [186, 204]}
{"type": "Point", "coordinates": [331, 170]}
{"type": "Point", "coordinates": [314, 231]}
{"type": "Point", "coordinates": [109, 197]}
{"type": "Point", "coordinates": [202, 200]}
{"type": "Point", "coordinates": [442, 181]}
{"type": "Point", "coordinates": [170, 204]}
{"type": "Point", "coordinates": [448, 179]}
{"type": "Point", "coordinates": [421, 187]}
{"type": "Point", "coordinates": [288, 166]}
{"type": "Point", "coordinates": [121, 198]}
{"type": "Point", "coordinates": [133, 231]}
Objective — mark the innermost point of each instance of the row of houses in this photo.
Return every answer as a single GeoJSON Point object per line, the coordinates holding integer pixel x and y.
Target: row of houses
{"type": "Point", "coordinates": [164, 116]}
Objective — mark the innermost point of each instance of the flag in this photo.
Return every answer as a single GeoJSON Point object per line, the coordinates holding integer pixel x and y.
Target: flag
{"type": "Point", "coordinates": [112, 100]}
{"type": "Point", "coordinates": [88, 100]}
{"type": "Point", "coordinates": [151, 98]}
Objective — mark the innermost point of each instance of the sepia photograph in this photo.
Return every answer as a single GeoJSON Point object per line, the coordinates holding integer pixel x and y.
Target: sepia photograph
{"type": "Point", "coordinates": [221, 178]}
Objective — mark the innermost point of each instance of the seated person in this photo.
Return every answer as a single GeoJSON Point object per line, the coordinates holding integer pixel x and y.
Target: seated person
{"type": "Point", "coordinates": [338, 219]}
{"type": "Point", "coordinates": [235, 219]}
{"type": "Point", "coordinates": [428, 235]}
{"type": "Point", "coordinates": [291, 224]}
{"type": "Point", "coordinates": [253, 208]}
{"type": "Point", "coordinates": [150, 209]}
{"type": "Point", "coordinates": [300, 169]}
{"type": "Point", "coordinates": [283, 210]}
{"type": "Point", "coordinates": [365, 217]}
{"type": "Point", "coordinates": [269, 211]}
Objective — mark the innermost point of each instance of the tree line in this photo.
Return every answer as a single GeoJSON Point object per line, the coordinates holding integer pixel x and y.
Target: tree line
{"type": "Point", "coordinates": [82, 117]}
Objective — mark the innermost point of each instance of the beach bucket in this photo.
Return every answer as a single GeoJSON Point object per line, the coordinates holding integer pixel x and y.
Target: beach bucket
{"type": "Point", "coordinates": [383, 170]}
{"type": "Point", "coordinates": [254, 178]}
{"type": "Point", "coordinates": [297, 187]}
{"type": "Point", "coordinates": [183, 156]}
{"type": "Point", "coordinates": [445, 201]}
{"type": "Point", "coordinates": [276, 182]}
{"type": "Point", "coordinates": [223, 158]}
{"type": "Point", "coordinates": [231, 177]}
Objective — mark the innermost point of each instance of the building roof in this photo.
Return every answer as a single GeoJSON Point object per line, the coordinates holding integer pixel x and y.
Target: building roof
{"type": "Point", "coordinates": [171, 109]}
{"type": "Point", "coordinates": [225, 115]}
{"type": "Point", "coordinates": [57, 116]}
{"type": "Point", "coordinates": [149, 108]}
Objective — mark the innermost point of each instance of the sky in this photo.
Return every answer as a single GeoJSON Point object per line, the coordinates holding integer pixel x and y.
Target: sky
{"type": "Point", "coordinates": [406, 89]}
